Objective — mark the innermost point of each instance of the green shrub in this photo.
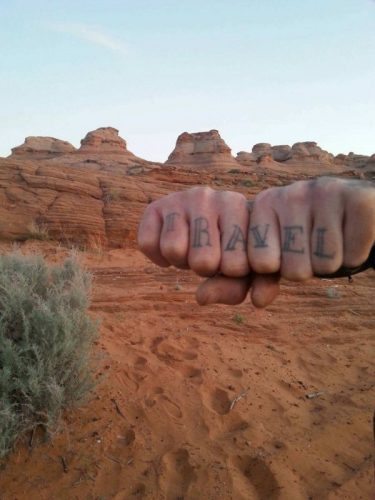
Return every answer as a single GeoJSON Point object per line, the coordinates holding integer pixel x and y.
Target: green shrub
{"type": "Point", "coordinates": [45, 341]}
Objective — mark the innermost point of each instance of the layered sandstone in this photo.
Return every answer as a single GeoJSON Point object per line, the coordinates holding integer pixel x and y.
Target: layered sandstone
{"type": "Point", "coordinates": [42, 147]}
{"type": "Point", "coordinates": [201, 149]}
{"type": "Point", "coordinates": [301, 151]}
{"type": "Point", "coordinates": [103, 140]}
{"type": "Point", "coordinates": [95, 197]}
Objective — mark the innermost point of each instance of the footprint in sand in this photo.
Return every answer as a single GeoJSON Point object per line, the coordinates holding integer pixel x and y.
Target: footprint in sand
{"type": "Point", "coordinates": [165, 351]}
{"type": "Point", "coordinates": [178, 474]}
{"type": "Point", "coordinates": [252, 475]}
{"type": "Point", "coordinates": [236, 372]}
{"type": "Point", "coordinates": [157, 397]}
{"type": "Point", "coordinates": [218, 401]}
{"type": "Point", "coordinates": [191, 373]}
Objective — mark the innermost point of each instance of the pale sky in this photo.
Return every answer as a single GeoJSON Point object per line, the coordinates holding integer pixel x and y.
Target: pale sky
{"type": "Point", "coordinates": [277, 71]}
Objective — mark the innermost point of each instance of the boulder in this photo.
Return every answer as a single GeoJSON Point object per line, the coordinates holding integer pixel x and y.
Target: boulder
{"type": "Point", "coordinates": [281, 153]}
{"type": "Point", "coordinates": [310, 151]}
{"type": "Point", "coordinates": [37, 147]}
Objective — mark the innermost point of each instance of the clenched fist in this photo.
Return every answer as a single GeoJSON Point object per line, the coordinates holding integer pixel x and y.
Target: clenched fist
{"type": "Point", "coordinates": [297, 231]}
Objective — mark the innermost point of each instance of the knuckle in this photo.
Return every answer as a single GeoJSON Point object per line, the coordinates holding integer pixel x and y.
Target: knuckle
{"type": "Point", "coordinates": [354, 259]}
{"type": "Point", "coordinates": [200, 192]}
{"type": "Point", "coordinates": [267, 266]}
{"type": "Point", "coordinates": [266, 196]}
{"type": "Point", "coordinates": [296, 273]}
{"type": "Point", "coordinates": [296, 194]}
{"type": "Point", "coordinates": [171, 251]}
{"type": "Point", "coordinates": [204, 265]}
{"type": "Point", "coordinates": [235, 268]}
{"type": "Point", "coordinates": [325, 267]}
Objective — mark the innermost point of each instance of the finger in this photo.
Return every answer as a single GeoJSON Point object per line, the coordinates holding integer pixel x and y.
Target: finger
{"type": "Point", "coordinates": [263, 247]}
{"type": "Point", "coordinates": [294, 214]}
{"type": "Point", "coordinates": [174, 238]}
{"type": "Point", "coordinates": [223, 290]}
{"type": "Point", "coordinates": [204, 239]}
{"type": "Point", "coordinates": [149, 236]}
{"type": "Point", "coordinates": [264, 289]}
{"type": "Point", "coordinates": [233, 223]}
{"type": "Point", "coordinates": [359, 226]}
{"type": "Point", "coordinates": [326, 236]}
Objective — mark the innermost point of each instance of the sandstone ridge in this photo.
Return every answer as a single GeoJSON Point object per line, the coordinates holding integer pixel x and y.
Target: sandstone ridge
{"type": "Point", "coordinates": [94, 196]}
{"type": "Point", "coordinates": [42, 147]}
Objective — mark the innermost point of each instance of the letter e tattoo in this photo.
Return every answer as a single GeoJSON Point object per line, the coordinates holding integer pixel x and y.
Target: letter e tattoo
{"type": "Point", "coordinates": [290, 235]}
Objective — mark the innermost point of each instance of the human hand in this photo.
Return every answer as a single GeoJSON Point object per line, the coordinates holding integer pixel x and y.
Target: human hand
{"type": "Point", "coordinates": [309, 227]}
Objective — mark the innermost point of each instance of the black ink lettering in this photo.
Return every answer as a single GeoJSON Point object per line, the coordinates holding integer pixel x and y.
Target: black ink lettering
{"type": "Point", "coordinates": [201, 233]}
{"type": "Point", "coordinates": [237, 236]}
{"type": "Point", "coordinates": [320, 243]}
{"type": "Point", "coordinates": [260, 239]}
{"type": "Point", "coordinates": [169, 221]}
{"type": "Point", "coordinates": [290, 234]}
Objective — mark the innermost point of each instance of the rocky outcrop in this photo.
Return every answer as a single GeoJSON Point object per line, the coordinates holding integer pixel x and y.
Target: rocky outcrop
{"type": "Point", "coordinates": [281, 153]}
{"type": "Point", "coordinates": [310, 151]}
{"type": "Point", "coordinates": [42, 147]}
{"type": "Point", "coordinates": [103, 140]}
{"type": "Point", "coordinates": [96, 198]}
{"type": "Point", "coordinates": [201, 149]}
{"type": "Point", "coordinates": [301, 151]}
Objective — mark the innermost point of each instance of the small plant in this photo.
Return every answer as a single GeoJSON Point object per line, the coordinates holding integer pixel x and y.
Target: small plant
{"type": "Point", "coordinates": [112, 194]}
{"type": "Point", "coordinates": [37, 231]}
{"type": "Point", "coordinates": [45, 343]}
{"type": "Point", "coordinates": [247, 183]}
{"type": "Point", "coordinates": [238, 319]}
{"type": "Point", "coordinates": [234, 171]}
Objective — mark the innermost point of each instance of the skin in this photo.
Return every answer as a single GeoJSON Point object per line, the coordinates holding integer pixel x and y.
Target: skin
{"type": "Point", "coordinates": [293, 232]}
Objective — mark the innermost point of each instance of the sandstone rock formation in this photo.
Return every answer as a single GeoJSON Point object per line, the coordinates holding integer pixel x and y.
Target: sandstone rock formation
{"type": "Point", "coordinates": [95, 197]}
{"type": "Point", "coordinates": [103, 140]}
{"type": "Point", "coordinates": [300, 151]}
{"type": "Point", "coordinates": [310, 151]}
{"type": "Point", "coordinates": [281, 153]}
{"type": "Point", "coordinates": [42, 147]}
{"type": "Point", "coordinates": [201, 149]}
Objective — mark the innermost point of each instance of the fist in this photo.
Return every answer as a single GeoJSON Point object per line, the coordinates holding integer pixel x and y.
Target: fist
{"type": "Point", "coordinates": [296, 231]}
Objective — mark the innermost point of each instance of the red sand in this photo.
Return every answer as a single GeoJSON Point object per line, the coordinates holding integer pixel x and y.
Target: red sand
{"type": "Point", "coordinates": [211, 402]}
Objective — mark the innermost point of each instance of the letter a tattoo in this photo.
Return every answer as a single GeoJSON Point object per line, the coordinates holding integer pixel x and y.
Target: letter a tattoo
{"type": "Point", "coordinates": [260, 240]}
{"type": "Point", "coordinates": [237, 236]}
{"type": "Point", "coordinates": [319, 250]}
{"type": "Point", "coordinates": [201, 233]}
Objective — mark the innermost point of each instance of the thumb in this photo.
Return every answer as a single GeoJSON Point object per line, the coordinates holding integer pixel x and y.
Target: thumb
{"type": "Point", "coordinates": [223, 290]}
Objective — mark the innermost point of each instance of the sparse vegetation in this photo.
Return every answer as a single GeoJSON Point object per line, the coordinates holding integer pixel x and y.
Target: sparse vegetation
{"type": "Point", "coordinates": [37, 231]}
{"type": "Point", "coordinates": [247, 183]}
{"type": "Point", "coordinates": [45, 341]}
{"type": "Point", "coordinates": [238, 319]}
{"type": "Point", "coordinates": [112, 194]}
{"type": "Point", "coordinates": [234, 171]}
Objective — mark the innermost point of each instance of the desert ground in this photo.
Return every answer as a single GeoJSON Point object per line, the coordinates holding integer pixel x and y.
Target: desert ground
{"type": "Point", "coordinates": [195, 403]}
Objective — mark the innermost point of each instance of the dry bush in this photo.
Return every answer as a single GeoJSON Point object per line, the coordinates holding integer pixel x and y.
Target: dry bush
{"type": "Point", "coordinates": [45, 343]}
